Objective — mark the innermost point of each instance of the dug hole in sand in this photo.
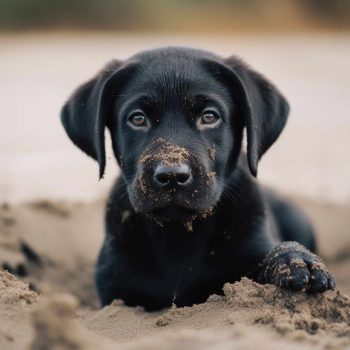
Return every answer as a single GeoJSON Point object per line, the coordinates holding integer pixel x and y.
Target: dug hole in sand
{"type": "Point", "coordinates": [51, 248]}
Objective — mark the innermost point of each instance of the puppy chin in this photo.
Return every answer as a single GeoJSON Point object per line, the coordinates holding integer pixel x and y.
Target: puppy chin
{"type": "Point", "coordinates": [169, 207]}
{"type": "Point", "coordinates": [171, 213]}
{"type": "Point", "coordinates": [165, 212]}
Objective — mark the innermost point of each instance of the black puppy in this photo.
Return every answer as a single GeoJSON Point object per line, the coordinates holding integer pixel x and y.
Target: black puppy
{"type": "Point", "coordinates": [186, 214]}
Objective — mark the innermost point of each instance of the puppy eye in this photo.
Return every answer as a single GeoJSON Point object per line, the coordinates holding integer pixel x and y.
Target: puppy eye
{"type": "Point", "coordinates": [209, 118]}
{"type": "Point", "coordinates": [138, 120]}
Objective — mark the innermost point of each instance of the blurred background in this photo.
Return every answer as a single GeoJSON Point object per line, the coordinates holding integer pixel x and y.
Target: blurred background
{"type": "Point", "coordinates": [175, 15]}
{"type": "Point", "coordinates": [48, 48]}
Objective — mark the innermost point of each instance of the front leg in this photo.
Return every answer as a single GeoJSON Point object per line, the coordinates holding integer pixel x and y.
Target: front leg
{"type": "Point", "coordinates": [290, 265]}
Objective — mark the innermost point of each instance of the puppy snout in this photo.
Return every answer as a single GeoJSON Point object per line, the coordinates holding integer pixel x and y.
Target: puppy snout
{"type": "Point", "coordinates": [175, 176]}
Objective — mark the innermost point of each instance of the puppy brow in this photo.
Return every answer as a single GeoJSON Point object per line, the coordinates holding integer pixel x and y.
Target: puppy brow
{"type": "Point", "coordinates": [117, 95]}
{"type": "Point", "coordinates": [140, 100]}
{"type": "Point", "coordinates": [207, 99]}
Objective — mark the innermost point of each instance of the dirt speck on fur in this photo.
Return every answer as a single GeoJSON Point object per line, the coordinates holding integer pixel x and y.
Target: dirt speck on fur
{"type": "Point", "coordinates": [125, 215]}
{"type": "Point", "coordinates": [212, 152]}
{"type": "Point", "coordinates": [201, 215]}
{"type": "Point", "coordinates": [211, 174]}
{"type": "Point", "coordinates": [318, 265]}
{"type": "Point", "coordinates": [167, 153]}
{"type": "Point", "coordinates": [297, 262]}
{"type": "Point", "coordinates": [189, 223]}
{"type": "Point", "coordinates": [142, 183]}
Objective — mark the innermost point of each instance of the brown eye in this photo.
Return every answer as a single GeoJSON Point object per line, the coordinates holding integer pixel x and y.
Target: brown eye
{"type": "Point", "coordinates": [209, 117]}
{"type": "Point", "coordinates": [138, 120]}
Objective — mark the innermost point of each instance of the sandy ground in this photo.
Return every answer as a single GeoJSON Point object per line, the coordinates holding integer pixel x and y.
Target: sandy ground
{"type": "Point", "coordinates": [53, 247]}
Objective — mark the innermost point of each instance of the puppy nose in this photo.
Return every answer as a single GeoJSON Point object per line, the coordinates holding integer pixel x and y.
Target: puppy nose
{"type": "Point", "coordinates": [173, 176]}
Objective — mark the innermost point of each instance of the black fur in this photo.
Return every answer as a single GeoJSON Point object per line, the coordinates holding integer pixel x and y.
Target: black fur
{"type": "Point", "coordinates": [186, 214]}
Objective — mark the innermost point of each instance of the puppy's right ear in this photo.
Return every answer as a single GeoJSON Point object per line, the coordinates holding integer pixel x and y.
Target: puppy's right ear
{"type": "Point", "coordinates": [84, 115]}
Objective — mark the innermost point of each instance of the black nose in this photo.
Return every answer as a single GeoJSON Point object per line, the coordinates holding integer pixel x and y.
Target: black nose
{"type": "Point", "coordinates": [173, 176]}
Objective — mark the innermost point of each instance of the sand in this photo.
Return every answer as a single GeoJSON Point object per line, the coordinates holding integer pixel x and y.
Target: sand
{"type": "Point", "coordinates": [48, 301]}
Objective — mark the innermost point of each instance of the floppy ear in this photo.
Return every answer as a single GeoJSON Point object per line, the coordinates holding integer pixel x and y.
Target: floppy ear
{"type": "Point", "coordinates": [265, 110]}
{"type": "Point", "coordinates": [84, 115]}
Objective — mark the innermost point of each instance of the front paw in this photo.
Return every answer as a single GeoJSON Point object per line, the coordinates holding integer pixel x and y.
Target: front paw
{"type": "Point", "coordinates": [292, 266]}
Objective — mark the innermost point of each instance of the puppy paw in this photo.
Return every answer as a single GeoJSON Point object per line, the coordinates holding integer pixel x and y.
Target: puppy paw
{"type": "Point", "coordinates": [292, 266]}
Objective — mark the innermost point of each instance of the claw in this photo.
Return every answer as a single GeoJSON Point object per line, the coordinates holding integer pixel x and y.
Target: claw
{"type": "Point", "coordinates": [331, 284]}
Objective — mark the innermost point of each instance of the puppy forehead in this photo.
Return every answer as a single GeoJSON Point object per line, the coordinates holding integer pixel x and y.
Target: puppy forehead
{"type": "Point", "coordinates": [167, 77]}
{"type": "Point", "coordinates": [176, 57]}
{"type": "Point", "coordinates": [170, 75]}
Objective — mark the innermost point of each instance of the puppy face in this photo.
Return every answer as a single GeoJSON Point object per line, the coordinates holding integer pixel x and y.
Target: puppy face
{"type": "Point", "coordinates": [174, 129]}
{"type": "Point", "coordinates": [176, 118]}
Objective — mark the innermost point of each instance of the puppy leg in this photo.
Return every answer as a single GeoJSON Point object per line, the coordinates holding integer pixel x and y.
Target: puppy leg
{"type": "Point", "coordinates": [291, 265]}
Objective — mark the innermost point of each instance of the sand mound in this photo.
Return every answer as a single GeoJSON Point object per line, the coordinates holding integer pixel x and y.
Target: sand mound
{"type": "Point", "coordinates": [246, 314]}
{"type": "Point", "coordinates": [53, 247]}
{"type": "Point", "coordinates": [16, 301]}
{"type": "Point", "coordinates": [287, 310]}
{"type": "Point", "coordinates": [13, 292]}
{"type": "Point", "coordinates": [246, 307]}
{"type": "Point", "coordinates": [247, 310]}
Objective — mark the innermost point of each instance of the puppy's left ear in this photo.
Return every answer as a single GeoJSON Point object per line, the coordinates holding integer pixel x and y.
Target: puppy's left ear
{"type": "Point", "coordinates": [265, 110]}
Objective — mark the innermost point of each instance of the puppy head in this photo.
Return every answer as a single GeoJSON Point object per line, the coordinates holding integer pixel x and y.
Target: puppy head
{"type": "Point", "coordinates": [176, 118]}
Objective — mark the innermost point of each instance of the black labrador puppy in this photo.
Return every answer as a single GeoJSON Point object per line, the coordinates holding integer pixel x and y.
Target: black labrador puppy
{"type": "Point", "coordinates": [186, 214]}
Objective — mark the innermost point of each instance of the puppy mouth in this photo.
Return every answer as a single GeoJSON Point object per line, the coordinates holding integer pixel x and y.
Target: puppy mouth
{"type": "Point", "coordinates": [171, 206]}
{"type": "Point", "coordinates": [173, 213]}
